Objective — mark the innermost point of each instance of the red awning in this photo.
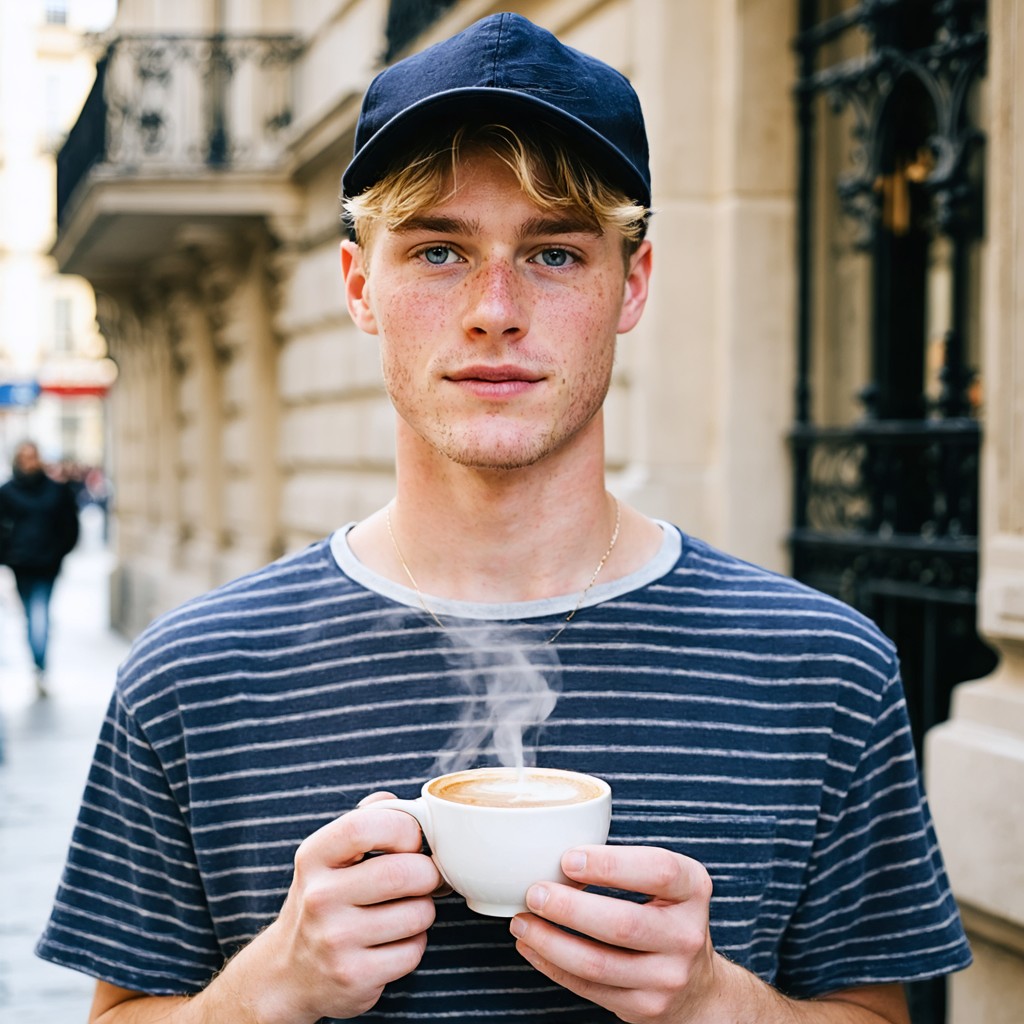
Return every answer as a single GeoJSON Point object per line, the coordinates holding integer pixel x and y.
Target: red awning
{"type": "Point", "coordinates": [75, 390]}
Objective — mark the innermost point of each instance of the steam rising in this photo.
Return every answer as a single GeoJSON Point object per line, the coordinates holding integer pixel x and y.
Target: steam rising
{"type": "Point", "coordinates": [512, 684]}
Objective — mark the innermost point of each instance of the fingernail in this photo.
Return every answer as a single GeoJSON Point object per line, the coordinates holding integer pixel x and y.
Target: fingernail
{"type": "Point", "coordinates": [536, 897]}
{"type": "Point", "coordinates": [575, 860]}
{"type": "Point", "coordinates": [517, 926]}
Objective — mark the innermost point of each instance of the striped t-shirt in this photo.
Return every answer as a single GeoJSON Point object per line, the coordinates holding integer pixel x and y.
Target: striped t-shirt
{"type": "Point", "coordinates": [741, 719]}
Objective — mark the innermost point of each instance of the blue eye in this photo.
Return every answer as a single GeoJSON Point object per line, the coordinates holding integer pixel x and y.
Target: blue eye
{"type": "Point", "coordinates": [437, 254]}
{"type": "Point", "coordinates": [555, 258]}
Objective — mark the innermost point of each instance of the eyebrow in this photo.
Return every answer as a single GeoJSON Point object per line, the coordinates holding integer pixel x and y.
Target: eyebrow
{"type": "Point", "coordinates": [437, 225]}
{"type": "Point", "coordinates": [535, 226]}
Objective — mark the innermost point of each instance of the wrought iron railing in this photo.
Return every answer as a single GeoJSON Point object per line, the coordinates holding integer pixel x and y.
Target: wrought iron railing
{"type": "Point", "coordinates": [85, 144]}
{"type": "Point", "coordinates": [180, 104]}
{"type": "Point", "coordinates": [891, 501]}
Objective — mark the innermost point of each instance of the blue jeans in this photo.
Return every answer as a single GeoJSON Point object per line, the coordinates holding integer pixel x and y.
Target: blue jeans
{"type": "Point", "coordinates": [35, 592]}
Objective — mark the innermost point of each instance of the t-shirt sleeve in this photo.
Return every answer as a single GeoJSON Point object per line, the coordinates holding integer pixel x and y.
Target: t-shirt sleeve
{"type": "Point", "coordinates": [130, 908]}
{"type": "Point", "coordinates": [877, 906]}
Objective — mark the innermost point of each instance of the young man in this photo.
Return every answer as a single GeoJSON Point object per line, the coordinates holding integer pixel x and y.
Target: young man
{"type": "Point", "coordinates": [772, 855]}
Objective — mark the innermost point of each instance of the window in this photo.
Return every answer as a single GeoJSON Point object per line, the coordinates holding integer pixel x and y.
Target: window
{"type": "Point", "coordinates": [407, 19]}
{"type": "Point", "coordinates": [56, 12]}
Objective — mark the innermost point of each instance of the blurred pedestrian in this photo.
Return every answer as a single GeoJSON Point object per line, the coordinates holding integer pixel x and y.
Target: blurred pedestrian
{"type": "Point", "coordinates": [38, 527]}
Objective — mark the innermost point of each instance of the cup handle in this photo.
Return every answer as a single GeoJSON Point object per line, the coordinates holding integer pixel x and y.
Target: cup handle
{"type": "Point", "coordinates": [421, 812]}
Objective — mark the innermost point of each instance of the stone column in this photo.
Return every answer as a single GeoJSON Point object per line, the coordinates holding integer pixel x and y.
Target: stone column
{"type": "Point", "coordinates": [145, 527]}
{"type": "Point", "coordinates": [251, 443]}
{"type": "Point", "coordinates": [976, 759]}
{"type": "Point", "coordinates": [112, 317]}
{"type": "Point", "coordinates": [236, 287]}
{"type": "Point", "coordinates": [201, 435]}
{"type": "Point", "coordinates": [714, 356]}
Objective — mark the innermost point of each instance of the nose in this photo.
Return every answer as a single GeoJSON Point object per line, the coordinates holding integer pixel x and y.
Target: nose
{"type": "Point", "coordinates": [495, 307]}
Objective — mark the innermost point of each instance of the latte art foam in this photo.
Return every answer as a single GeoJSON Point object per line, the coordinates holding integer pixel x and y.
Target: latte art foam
{"type": "Point", "coordinates": [509, 787]}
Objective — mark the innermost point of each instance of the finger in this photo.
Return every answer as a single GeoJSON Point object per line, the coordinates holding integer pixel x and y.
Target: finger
{"type": "Point", "coordinates": [578, 955]}
{"type": "Point", "coordinates": [375, 797]}
{"type": "Point", "coordinates": [363, 972]}
{"type": "Point", "coordinates": [599, 925]}
{"type": "Point", "coordinates": [392, 876]}
{"type": "Point", "coordinates": [557, 952]}
{"type": "Point", "coordinates": [649, 870]}
{"type": "Point", "coordinates": [617, 999]}
{"type": "Point", "coordinates": [347, 839]}
{"type": "Point", "coordinates": [383, 924]}
{"type": "Point", "coordinates": [401, 957]}
{"type": "Point", "coordinates": [337, 934]}
{"type": "Point", "coordinates": [614, 922]}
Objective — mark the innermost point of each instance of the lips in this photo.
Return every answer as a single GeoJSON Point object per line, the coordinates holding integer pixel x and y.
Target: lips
{"type": "Point", "coordinates": [495, 375]}
{"type": "Point", "coordinates": [495, 382]}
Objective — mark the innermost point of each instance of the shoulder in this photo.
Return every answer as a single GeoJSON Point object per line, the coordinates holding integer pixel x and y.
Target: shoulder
{"type": "Point", "coordinates": [222, 625]}
{"type": "Point", "coordinates": [723, 589]}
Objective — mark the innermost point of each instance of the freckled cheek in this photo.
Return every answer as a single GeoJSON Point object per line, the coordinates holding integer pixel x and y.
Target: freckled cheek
{"type": "Point", "coordinates": [406, 310]}
{"type": "Point", "coordinates": [410, 324]}
{"type": "Point", "coordinates": [588, 326]}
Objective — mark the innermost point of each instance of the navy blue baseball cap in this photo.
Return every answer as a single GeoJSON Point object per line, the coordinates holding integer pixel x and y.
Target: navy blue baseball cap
{"type": "Point", "coordinates": [503, 69]}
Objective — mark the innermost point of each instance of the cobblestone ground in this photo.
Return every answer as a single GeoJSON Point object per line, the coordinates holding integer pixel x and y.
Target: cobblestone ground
{"type": "Point", "coordinates": [46, 748]}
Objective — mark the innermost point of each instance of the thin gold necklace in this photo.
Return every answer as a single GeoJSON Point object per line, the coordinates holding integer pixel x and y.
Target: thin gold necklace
{"type": "Point", "coordinates": [579, 604]}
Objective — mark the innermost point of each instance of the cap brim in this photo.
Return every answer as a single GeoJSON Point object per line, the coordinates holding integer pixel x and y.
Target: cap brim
{"type": "Point", "coordinates": [443, 111]}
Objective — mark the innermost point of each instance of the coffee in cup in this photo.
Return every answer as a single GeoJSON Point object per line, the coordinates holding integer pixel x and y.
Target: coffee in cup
{"type": "Point", "coordinates": [511, 787]}
{"type": "Point", "coordinates": [493, 832]}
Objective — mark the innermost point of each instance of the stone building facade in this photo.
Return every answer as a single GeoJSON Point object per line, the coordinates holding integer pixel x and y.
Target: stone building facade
{"type": "Point", "coordinates": [249, 415]}
{"type": "Point", "coordinates": [200, 198]}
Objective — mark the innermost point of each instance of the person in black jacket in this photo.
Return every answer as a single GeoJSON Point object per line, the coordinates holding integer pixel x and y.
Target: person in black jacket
{"type": "Point", "coordinates": [38, 527]}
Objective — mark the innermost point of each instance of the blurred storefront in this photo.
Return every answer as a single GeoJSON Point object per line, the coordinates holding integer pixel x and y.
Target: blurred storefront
{"type": "Point", "coordinates": [828, 379]}
{"type": "Point", "coordinates": [53, 372]}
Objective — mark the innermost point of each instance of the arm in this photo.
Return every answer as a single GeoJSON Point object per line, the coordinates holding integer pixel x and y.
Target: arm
{"type": "Point", "coordinates": [349, 925]}
{"type": "Point", "coordinates": [654, 963]}
{"type": "Point", "coordinates": [68, 525]}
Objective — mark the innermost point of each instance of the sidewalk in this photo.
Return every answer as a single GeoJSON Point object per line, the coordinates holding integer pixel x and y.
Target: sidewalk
{"type": "Point", "coordinates": [47, 745]}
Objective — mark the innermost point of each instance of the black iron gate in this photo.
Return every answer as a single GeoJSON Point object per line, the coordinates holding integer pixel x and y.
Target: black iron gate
{"type": "Point", "coordinates": [891, 208]}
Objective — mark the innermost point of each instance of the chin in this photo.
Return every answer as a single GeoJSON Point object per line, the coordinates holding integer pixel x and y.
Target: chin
{"type": "Point", "coordinates": [494, 462]}
{"type": "Point", "coordinates": [500, 456]}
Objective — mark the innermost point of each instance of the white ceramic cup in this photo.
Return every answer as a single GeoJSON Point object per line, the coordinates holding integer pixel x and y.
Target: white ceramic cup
{"type": "Point", "coordinates": [492, 835]}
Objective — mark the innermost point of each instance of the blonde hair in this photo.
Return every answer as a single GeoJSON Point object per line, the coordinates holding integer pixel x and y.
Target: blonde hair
{"type": "Point", "coordinates": [548, 171]}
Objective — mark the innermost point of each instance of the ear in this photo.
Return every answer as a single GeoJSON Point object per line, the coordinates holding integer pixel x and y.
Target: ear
{"type": "Point", "coordinates": [357, 287]}
{"type": "Point", "coordinates": [638, 279]}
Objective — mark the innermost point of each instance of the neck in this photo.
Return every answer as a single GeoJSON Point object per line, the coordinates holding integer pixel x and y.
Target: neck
{"type": "Point", "coordinates": [504, 546]}
{"type": "Point", "coordinates": [503, 536]}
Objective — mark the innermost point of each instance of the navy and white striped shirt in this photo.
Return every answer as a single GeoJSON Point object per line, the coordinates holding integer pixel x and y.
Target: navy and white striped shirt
{"type": "Point", "coordinates": [741, 719]}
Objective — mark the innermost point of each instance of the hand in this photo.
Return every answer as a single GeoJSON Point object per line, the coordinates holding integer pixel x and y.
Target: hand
{"type": "Point", "coordinates": [349, 925]}
{"type": "Point", "coordinates": [650, 962]}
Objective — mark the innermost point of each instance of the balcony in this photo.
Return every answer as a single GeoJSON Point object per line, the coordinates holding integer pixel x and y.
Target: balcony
{"type": "Point", "coordinates": [175, 126]}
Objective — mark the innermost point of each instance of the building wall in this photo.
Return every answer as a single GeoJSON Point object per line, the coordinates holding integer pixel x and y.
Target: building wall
{"type": "Point", "coordinates": [976, 759]}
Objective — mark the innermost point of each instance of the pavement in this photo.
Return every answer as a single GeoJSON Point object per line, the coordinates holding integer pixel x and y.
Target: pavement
{"type": "Point", "coordinates": [45, 749]}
